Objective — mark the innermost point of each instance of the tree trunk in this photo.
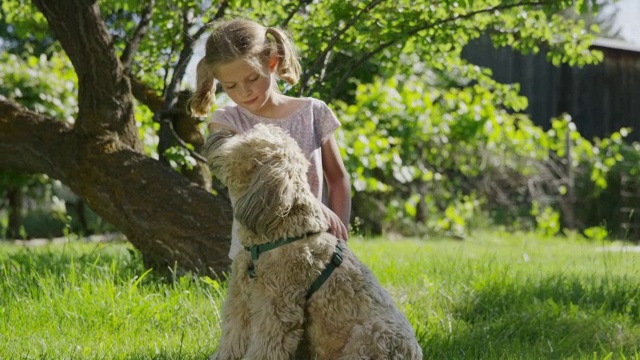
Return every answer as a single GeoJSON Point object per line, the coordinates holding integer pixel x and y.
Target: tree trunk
{"type": "Point", "coordinates": [16, 200]}
{"type": "Point", "coordinates": [172, 221]}
{"type": "Point", "coordinates": [564, 106]}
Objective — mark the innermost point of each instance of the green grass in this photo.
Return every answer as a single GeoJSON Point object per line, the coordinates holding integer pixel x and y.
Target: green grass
{"type": "Point", "coordinates": [492, 296]}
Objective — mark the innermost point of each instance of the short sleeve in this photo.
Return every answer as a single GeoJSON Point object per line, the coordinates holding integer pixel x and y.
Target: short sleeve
{"type": "Point", "coordinates": [326, 122]}
{"type": "Point", "coordinates": [222, 117]}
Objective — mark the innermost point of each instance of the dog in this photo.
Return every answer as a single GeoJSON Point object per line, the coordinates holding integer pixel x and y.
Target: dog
{"type": "Point", "coordinates": [296, 291]}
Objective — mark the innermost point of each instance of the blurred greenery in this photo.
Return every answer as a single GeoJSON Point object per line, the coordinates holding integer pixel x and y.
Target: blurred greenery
{"type": "Point", "coordinates": [454, 152]}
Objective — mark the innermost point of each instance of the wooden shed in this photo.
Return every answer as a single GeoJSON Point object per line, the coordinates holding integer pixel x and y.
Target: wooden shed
{"type": "Point", "coordinates": [601, 98]}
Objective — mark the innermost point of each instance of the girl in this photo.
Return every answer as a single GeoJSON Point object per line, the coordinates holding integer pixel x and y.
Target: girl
{"type": "Point", "coordinates": [245, 58]}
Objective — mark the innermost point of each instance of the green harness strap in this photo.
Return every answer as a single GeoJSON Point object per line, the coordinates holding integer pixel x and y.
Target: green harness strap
{"type": "Point", "coordinates": [336, 260]}
{"type": "Point", "coordinates": [256, 250]}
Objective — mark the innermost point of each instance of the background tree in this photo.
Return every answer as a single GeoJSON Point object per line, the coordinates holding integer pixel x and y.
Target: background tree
{"type": "Point", "coordinates": [604, 18]}
{"type": "Point", "coordinates": [122, 49]}
{"type": "Point", "coordinates": [26, 75]}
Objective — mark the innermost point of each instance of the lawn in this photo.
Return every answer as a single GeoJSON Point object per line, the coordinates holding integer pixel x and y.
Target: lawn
{"type": "Point", "coordinates": [491, 296]}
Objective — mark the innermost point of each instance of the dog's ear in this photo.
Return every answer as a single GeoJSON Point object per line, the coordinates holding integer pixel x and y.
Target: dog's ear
{"type": "Point", "coordinates": [211, 148]}
{"type": "Point", "coordinates": [268, 200]}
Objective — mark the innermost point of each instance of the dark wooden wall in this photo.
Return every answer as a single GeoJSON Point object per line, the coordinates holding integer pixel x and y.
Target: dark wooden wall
{"type": "Point", "coordinates": [601, 98]}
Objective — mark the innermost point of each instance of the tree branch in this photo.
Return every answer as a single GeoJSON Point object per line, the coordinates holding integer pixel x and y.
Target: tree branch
{"type": "Point", "coordinates": [413, 32]}
{"type": "Point", "coordinates": [139, 34]}
{"type": "Point", "coordinates": [167, 131]}
{"type": "Point", "coordinates": [294, 12]}
{"type": "Point", "coordinates": [187, 52]}
{"type": "Point", "coordinates": [31, 142]}
{"type": "Point", "coordinates": [162, 105]}
{"type": "Point", "coordinates": [146, 95]}
{"type": "Point", "coordinates": [104, 100]}
{"type": "Point", "coordinates": [224, 4]}
{"type": "Point", "coordinates": [321, 57]}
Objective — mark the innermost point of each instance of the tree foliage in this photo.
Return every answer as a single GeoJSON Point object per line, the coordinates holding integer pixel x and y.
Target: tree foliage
{"type": "Point", "coordinates": [439, 155]}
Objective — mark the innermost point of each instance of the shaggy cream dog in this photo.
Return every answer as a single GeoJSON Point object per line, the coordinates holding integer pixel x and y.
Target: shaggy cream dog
{"type": "Point", "coordinates": [294, 293]}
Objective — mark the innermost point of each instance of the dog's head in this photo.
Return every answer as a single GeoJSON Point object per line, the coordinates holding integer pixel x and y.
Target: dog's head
{"type": "Point", "coordinates": [266, 174]}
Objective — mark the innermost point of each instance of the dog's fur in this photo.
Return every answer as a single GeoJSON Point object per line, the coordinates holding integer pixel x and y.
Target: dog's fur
{"type": "Point", "coordinates": [268, 317]}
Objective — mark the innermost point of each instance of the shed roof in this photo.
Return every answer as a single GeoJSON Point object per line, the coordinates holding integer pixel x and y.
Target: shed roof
{"type": "Point", "coordinates": [615, 44]}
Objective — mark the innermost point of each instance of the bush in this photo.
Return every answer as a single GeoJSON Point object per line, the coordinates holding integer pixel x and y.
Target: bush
{"type": "Point", "coordinates": [430, 155]}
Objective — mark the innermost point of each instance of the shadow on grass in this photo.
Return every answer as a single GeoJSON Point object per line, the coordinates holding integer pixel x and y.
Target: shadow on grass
{"type": "Point", "coordinates": [59, 259]}
{"type": "Point", "coordinates": [558, 316]}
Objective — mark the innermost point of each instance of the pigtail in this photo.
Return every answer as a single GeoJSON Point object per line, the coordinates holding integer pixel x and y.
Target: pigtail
{"type": "Point", "coordinates": [288, 66]}
{"type": "Point", "coordinates": [205, 94]}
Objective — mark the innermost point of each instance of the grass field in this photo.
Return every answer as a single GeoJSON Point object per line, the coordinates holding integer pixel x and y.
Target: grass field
{"type": "Point", "coordinates": [491, 296]}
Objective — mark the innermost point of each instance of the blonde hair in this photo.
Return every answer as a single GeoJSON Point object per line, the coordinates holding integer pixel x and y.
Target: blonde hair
{"type": "Point", "coordinates": [246, 40]}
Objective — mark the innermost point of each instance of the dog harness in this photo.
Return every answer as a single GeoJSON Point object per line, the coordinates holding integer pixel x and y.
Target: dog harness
{"type": "Point", "coordinates": [336, 260]}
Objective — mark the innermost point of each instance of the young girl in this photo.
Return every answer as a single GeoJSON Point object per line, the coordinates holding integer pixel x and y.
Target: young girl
{"type": "Point", "coordinates": [245, 58]}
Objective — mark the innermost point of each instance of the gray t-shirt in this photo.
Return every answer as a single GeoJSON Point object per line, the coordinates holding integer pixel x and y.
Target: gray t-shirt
{"type": "Point", "coordinates": [311, 125]}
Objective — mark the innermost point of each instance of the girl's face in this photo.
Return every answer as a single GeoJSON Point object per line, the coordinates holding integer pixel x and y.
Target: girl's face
{"type": "Point", "coordinates": [245, 86]}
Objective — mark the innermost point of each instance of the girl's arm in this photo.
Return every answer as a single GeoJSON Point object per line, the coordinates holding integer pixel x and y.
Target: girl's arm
{"type": "Point", "coordinates": [339, 189]}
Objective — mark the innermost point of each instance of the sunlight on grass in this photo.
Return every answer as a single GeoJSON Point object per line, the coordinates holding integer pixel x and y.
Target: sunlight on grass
{"type": "Point", "coordinates": [87, 300]}
{"type": "Point", "coordinates": [504, 296]}
{"type": "Point", "coordinates": [491, 296]}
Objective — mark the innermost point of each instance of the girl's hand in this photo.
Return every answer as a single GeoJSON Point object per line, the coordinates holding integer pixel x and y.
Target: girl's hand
{"type": "Point", "coordinates": [336, 227]}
